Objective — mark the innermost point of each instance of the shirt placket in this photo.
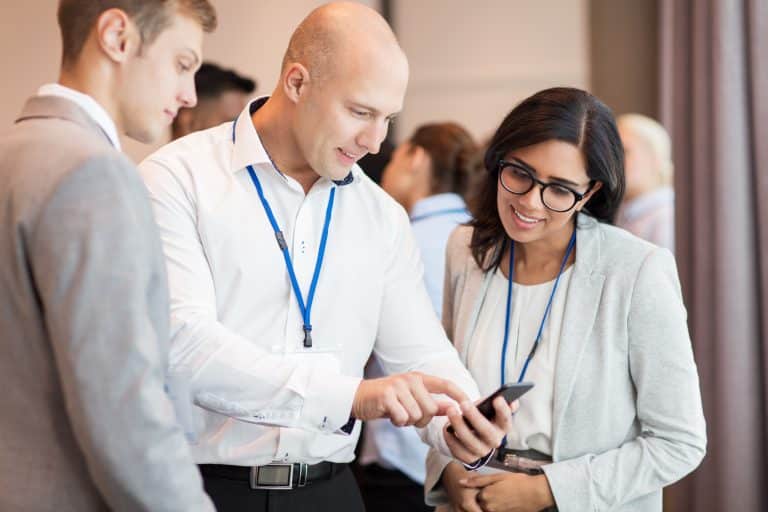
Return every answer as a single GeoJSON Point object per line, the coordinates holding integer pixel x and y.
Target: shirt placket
{"type": "Point", "coordinates": [304, 253]}
{"type": "Point", "coordinates": [303, 250]}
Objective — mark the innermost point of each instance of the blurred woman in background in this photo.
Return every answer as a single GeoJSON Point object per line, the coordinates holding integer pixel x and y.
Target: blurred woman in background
{"type": "Point", "coordinates": [429, 175]}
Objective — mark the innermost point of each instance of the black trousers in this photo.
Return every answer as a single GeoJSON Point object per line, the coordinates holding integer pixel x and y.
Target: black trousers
{"type": "Point", "coordinates": [339, 494]}
{"type": "Point", "coordinates": [387, 490]}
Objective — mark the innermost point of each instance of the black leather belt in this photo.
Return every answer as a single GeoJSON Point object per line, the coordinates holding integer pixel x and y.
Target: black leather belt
{"type": "Point", "coordinates": [521, 461]}
{"type": "Point", "coordinates": [275, 476]}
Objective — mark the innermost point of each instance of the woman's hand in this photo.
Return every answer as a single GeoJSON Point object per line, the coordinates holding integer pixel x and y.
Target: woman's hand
{"type": "Point", "coordinates": [472, 436]}
{"type": "Point", "coordinates": [510, 492]}
{"type": "Point", "coordinates": [463, 499]}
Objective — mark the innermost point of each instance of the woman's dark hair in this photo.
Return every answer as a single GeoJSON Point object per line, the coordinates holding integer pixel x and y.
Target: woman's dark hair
{"type": "Point", "coordinates": [453, 152]}
{"type": "Point", "coordinates": [561, 113]}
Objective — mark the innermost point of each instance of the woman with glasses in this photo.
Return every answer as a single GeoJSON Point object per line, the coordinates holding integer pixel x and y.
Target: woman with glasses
{"type": "Point", "coordinates": [541, 287]}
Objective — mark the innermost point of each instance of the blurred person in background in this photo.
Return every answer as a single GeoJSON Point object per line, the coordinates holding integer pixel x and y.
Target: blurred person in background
{"type": "Point", "coordinates": [428, 175]}
{"type": "Point", "coordinates": [648, 210]}
{"type": "Point", "coordinates": [221, 96]}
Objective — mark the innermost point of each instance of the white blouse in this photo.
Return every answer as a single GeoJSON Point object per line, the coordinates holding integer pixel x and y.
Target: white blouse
{"type": "Point", "coordinates": [533, 421]}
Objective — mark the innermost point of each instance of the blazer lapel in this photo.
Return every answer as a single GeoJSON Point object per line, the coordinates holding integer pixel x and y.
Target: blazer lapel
{"type": "Point", "coordinates": [581, 308]}
{"type": "Point", "coordinates": [54, 107]}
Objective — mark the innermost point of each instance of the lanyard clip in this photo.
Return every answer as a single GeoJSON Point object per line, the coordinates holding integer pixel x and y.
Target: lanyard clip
{"type": "Point", "coordinates": [281, 240]}
{"type": "Point", "coordinates": [308, 336]}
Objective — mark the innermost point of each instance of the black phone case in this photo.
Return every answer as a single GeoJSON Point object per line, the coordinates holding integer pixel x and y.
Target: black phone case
{"type": "Point", "coordinates": [510, 392]}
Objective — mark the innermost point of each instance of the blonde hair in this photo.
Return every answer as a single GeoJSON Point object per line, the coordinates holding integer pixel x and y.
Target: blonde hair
{"type": "Point", "coordinates": [657, 138]}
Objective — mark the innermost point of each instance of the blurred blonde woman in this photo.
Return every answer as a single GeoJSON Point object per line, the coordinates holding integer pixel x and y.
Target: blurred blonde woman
{"type": "Point", "coordinates": [648, 210]}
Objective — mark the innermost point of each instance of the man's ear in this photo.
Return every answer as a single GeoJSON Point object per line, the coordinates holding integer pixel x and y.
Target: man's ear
{"type": "Point", "coordinates": [295, 80]}
{"type": "Point", "coordinates": [117, 35]}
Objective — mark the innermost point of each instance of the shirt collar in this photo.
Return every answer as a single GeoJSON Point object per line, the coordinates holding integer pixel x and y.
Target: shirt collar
{"type": "Point", "coordinates": [436, 203]}
{"type": "Point", "coordinates": [87, 103]}
{"type": "Point", "coordinates": [248, 148]}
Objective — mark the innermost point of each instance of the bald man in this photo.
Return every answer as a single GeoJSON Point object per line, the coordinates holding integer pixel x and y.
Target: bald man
{"type": "Point", "coordinates": [288, 267]}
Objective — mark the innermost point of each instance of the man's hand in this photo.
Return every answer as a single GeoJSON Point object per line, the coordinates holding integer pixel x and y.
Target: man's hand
{"type": "Point", "coordinates": [510, 492]}
{"type": "Point", "coordinates": [474, 436]}
{"type": "Point", "coordinates": [406, 399]}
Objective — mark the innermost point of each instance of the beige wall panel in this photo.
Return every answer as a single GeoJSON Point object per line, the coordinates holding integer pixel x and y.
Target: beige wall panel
{"type": "Point", "coordinates": [472, 61]}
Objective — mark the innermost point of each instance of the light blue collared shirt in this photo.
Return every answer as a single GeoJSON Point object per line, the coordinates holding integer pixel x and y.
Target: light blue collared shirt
{"type": "Point", "coordinates": [433, 218]}
{"type": "Point", "coordinates": [651, 217]}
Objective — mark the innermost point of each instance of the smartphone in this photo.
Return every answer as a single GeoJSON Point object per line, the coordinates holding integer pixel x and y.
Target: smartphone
{"type": "Point", "coordinates": [510, 392]}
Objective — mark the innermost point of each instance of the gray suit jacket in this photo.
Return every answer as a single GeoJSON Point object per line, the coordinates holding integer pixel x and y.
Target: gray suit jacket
{"type": "Point", "coordinates": [85, 421]}
{"type": "Point", "coordinates": [627, 414]}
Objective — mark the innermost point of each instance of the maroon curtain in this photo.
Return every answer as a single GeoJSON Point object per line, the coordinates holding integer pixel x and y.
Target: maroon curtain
{"type": "Point", "coordinates": [714, 100]}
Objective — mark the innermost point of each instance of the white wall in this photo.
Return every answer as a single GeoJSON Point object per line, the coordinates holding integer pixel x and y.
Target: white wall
{"type": "Point", "coordinates": [470, 60]}
{"type": "Point", "coordinates": [29, 52]}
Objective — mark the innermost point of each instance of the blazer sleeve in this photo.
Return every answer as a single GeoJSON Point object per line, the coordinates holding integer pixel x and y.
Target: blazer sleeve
{"type": "Point", "coordinates": [101, 283]}
{"type": "Point", "coordinates": [672, 440]}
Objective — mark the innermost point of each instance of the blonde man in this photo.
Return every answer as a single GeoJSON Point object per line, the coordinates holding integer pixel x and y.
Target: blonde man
{"type": "Point", "coordinates": [86, 422]}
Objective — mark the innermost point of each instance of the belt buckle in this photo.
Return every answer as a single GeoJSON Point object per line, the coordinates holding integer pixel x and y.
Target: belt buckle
{"type": "Point", "coordinates": [274, 477]}
{"type": "Point", "coordinates": [511, 460]}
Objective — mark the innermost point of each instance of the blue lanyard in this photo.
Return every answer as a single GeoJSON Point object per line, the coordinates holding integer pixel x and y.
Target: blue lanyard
{"type": "Point", "coordinates": [571, 244]}
{"type": "Point", "coordinates": [438, 213]}
{"type": "Point", "coordinates": [305, 310]}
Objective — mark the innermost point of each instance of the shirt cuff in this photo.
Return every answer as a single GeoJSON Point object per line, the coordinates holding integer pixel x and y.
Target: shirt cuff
{"type": "Point", "coordinates": [328, 409]}
{"type": "Point", "coordinates": [348, 427]}
{"type": "Point", "coordinates": [479, 463]}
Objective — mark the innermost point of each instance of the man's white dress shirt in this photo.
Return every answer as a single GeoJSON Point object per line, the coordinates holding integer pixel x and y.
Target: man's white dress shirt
{"type": "Point", "coordinates": [237, 338]}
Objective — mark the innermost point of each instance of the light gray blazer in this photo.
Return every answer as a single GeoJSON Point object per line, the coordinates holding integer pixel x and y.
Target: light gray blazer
{"type": "Point", "coordinates": [85, 423]}
{"type": "Point", "coordinates": [627, 416]}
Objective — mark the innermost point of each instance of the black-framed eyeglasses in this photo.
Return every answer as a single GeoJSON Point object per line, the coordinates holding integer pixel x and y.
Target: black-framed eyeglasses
{"type": "Point", "coordinates": [518, 180]}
